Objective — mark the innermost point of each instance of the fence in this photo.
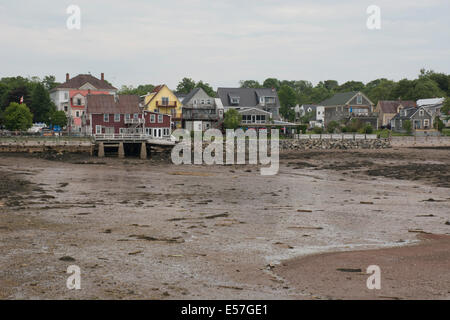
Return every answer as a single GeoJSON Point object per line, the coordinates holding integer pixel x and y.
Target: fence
{"type": "Point", "coordinates": [350, 136]}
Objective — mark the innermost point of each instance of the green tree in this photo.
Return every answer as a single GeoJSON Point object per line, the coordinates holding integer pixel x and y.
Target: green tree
{"type": "Point", "coordinates": [272, 83]}
{"type": "Point", "coordinates": [58, 118]}
{"type": "Point", "coordinates": [49, 82]}
{"type": "Point", "coordinates": [332, 126]}
{"type": "Point", "coordinates": [41, 106]}
{"type": "Point", "coordinates": [288, 100]}
{"type": "Point", "coordinates": [185, 85]}
{"type": "Point", "coordinates": [17, 117]}
{"type": "Point", "coordinates": [438, 124]}
{"type": "Point", "coordinates": [351, 86]}
{"type": "Point", "coordinates": [205, 86]}
{"type": "Point", "coordinates": [445, 110]}
{"type": "Point", "coordinates": [141, 89]}
{"type": "Point", "coordinates": [232, 119]}
{"type": "Point", "coordinates": [407, 125]}
{"type": "Point", "coordinates": [250, 84]}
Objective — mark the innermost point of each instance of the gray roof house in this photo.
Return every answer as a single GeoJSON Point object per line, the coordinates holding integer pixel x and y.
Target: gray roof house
{"type": "Point", "coordinates": [420, 118]}
{"type": "Point", "coordinates": [264, 99]}
{"type": "Point", "coordinates": [345, 106]}
{"type": "Point", "coordinates": [201, 110]}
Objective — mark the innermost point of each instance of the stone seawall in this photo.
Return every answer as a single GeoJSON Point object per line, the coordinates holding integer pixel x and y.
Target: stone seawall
{"type": "Point", "coordinates": [44, 145]}
{"type": "Point", "coordinates": [305, 144]}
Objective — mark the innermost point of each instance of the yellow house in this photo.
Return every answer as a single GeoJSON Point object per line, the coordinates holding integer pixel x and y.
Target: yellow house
{"type": "Point", "coordinates": [164, 101]}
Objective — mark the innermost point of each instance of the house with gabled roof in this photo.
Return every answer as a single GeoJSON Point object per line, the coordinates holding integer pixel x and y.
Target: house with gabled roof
{"type": "Point", "coordinates": [163, 100]}
{"type": "Point", "coordinates": [70, 96]}
{"type": "Point", "coordinates": [251, 99]}
{"type": "Point", "coordinates": [387, 109]}
{"type": "Point", "coordinates": [345, 106]}
{"type": "Point", "coordinates": [123, 114]}
{"type": "Point", "coordinates": [201, 111]}
{"type": "Point", "coordinates": [420, 119]}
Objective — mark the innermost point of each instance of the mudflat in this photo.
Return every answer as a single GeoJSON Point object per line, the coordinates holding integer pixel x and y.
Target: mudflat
{"type": "Point", "coordinates": [152, 230]}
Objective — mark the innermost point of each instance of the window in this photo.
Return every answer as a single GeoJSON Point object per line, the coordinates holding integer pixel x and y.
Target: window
{"type": "Point", "coordinates": [127, 116]}
{"type": "Point", "coordinates": [165, 101]}
{"type": "Point", "coordinates": [359, 99]}
{"type": "Point", "coordinates": [203, 101]}
{"type": "Point", "coordinates": [66, 95]}
{"type": "Point", "coordinates": [65, 108]}
{"type": "Point", "coordinates": [152, 118]}
{"type": "Point", "coordinates": [106, 117]}
{"type": "Point", "coordinates": [208, 101]}
{"type": "Point", "coordinates": [79, 102]}
{"type": "Point", "coordinates": [122, 130]}
{"type": "Point", "coordinates": [98, 129]}
{"type": "Point", "coordinates": [421, 112]}
{"type": "Point", "coordinates": [136, 116]}
{"type": "Point", "coordinates": [195, 102]}
{"type": "Point", "coordinates": [117, 117]}
{"type": "Point", "coordinates": [234, 100]}
{"type": "Point", "coordinates": [77, 114]}
{"type": "Point", "coordinates": [160, 118]}
{"type": "Point", "coordinates": [426, 122]}
{"type": "Point", "coordinates": [263, 119]}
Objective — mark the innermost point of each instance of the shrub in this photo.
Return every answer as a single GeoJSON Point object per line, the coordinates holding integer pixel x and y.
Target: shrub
{"type": "Point", "coordinates": [317, 130]}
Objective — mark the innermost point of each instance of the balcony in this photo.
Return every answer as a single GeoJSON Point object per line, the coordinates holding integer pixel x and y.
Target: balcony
{"type": "Point", "coordinates": [166, 104]}
{"type": "Point", "coordinates": [134, 121]}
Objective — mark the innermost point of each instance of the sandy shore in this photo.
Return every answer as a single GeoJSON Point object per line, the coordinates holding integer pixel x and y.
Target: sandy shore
{"type": "Point", "coordinates": [152, 230]}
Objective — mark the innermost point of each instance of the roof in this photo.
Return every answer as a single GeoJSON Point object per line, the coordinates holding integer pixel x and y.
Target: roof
{"type": "Point", "coordinates": [81, 79]}
{"type": "Point", "coordinates": [391, 106]}
{"type": "Point", "coordinates": [338, 99]}
{"type": "Point", "coordinates": [106, 103]}
{"type": "Point", "coordinates": [248, 97]}
{"type": "Point", "coordinates": [190, 95]}
{"type": "Point", "coordinates": [409, 113]}
{"type": "Point", "coordinates": [154, 93]}
{"type": "Point", "coordinates": [424, 102]}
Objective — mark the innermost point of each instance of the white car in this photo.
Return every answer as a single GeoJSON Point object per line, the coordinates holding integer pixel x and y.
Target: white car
{"type": "Point", "coordinates": [37, 127]}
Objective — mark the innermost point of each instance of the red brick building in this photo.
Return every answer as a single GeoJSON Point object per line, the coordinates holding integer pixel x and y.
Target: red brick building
{"type": "Point", "coordinates": [123, 114]}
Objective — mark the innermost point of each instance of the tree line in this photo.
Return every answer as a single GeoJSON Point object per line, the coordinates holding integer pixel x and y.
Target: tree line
{"type": "Point", "coordinates": [428, 84]}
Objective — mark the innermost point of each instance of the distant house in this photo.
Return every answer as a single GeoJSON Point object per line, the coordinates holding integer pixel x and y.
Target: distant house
{"type": "Point", "coordinates": [387, 109]}
{"type": "Point", "coordinates": [163, 100]}
{"type": "Point", "coordinates": [420, 119]}
{"type": "Point", "coordinates": [200, 111]}
{"type": "Point", "coordinates": [70, 96]}
{"type": "Point", "coordinates": [123, 114]}
{"type": "Point", "coordinates": [316, 114]}
{"type": "Point", "coordinates": [346, 106]}
{"type": "Point", "coordinates": [256, 105]}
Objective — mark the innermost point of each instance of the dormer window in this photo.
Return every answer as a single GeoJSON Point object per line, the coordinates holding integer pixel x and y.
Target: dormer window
{"type": "Point", "coordinates": [421, 112]}
{"type": "Point", "coordinates": [235, 100]}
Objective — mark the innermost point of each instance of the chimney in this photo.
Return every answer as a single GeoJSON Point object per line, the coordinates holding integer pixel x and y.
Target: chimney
{"type": "Point", "coordinates": [102, 76]}
{"type": "Point", "coordinates": [67, 77]}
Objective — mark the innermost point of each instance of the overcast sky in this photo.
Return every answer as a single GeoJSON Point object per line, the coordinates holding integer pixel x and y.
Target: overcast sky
{"type": "Point", "coordinates": [221, 42]}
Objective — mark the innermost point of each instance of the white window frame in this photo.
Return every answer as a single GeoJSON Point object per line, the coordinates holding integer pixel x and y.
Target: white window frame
{"type": "Point", "coordinates": [97, 131]}
{"type": "Point", "coordinates": [152, 118]}
{"type": "Point", "coordinates": [160, 118]}
{"type": "Point", "coordinates": [117, 117]}
{"type": "Point", "coordinates": [106, 117]}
